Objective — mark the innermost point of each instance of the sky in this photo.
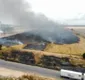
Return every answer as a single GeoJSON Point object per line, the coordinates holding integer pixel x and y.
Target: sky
{"type": "Point", "coordinates": [59, 9]}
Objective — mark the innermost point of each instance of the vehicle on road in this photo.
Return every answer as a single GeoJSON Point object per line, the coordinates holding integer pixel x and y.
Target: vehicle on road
{"type": "Point", "coordinates": [72, 74]}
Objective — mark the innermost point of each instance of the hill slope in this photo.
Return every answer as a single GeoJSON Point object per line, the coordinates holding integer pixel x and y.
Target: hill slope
{"type": "Point", "coordinates": [75, 48]}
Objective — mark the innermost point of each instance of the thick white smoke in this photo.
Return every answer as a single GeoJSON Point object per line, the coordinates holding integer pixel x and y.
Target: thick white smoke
{"type": "Point", "coordinates": [20, 13]}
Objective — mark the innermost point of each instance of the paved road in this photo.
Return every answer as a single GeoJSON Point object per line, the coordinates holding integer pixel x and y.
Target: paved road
{"type": "Point", "coordinates": [32, 69]}
{"type": "Point", "coordinates": [28, 68]}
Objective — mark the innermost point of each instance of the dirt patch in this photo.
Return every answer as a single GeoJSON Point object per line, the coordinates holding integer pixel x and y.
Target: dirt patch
{"type": "Point", "coordinates": [9, 72]}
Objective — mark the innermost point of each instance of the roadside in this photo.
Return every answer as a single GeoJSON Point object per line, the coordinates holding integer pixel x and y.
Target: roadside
{"type": "Point", "coordinates": [11, 68]}
{"type": "Point", "coordinates": [9, 72]}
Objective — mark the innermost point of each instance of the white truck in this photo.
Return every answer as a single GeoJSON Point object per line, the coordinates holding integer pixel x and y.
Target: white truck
{"type": "Point", "coordinates": [72, 74]}
{"type": "Point", "coordinates": [84, 76]}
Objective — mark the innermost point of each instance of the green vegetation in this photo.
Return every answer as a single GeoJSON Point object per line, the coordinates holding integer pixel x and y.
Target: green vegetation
{"type": "Point", "coordinates": [83, 55]}
{"type": "Point", "coordinates": [0, 47]}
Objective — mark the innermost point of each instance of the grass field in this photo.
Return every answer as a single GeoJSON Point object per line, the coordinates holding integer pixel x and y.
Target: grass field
{"type": "Point", "coordinates": [71, 49]}
{"type": "Point", "coordinates": [68, 49]}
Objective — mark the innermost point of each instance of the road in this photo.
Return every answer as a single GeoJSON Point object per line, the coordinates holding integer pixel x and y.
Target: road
{"type": "Point", "coordinates": [31, 69]}
{"type": "Point", "coordinates": [28, 68]}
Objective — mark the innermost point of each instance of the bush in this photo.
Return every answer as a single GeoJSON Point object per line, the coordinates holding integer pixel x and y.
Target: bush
{"type": "Point", "coordinates": [0, 47]}
{"type": "Point", "coordinates": [83, 55]}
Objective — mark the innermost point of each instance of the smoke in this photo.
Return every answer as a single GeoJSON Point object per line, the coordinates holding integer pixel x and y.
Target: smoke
{"type": "Point", "coordinates": [20, 13]}
{"type": "Point", "coordinates": [9, 42]}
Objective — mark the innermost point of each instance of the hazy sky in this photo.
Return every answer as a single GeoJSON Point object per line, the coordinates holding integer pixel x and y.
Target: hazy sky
{"type": "Point", "coordinates": [59, 9]}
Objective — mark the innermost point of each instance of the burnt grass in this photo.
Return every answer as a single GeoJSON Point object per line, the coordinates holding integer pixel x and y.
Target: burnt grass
{"type": "Point", "coordinates": [50, 62]}
{"type": "Point", "coordinates": [27, 37]}
{"type": "Point", "coordinates": [37, 43]}
{"type": "Point", "coordinates": [33, 38]}
{"type": "Point", "coordinates": [36, 46]}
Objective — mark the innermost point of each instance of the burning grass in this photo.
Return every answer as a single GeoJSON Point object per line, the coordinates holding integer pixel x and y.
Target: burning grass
{"type": "Point", "coordinates": [71, 49]}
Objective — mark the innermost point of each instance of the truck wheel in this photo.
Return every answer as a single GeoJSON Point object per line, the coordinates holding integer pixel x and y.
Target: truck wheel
{"type": "Point", "coordinates": [61, 76]}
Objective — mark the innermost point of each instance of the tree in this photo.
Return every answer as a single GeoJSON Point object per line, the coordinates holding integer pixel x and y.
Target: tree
{"type": "Point", "coordinates": [83, 55]}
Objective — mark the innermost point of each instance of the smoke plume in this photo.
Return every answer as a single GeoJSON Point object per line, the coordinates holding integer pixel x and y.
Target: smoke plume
{"type": "Point", "coordinates": [20, 13]}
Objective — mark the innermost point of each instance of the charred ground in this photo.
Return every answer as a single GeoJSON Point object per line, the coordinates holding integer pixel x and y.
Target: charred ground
{"type": "Point", "coordinates": [27, 37]}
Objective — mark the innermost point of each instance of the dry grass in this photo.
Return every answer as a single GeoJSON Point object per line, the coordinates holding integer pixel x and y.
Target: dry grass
{"type": "Point", "coordinates": [9, 49]}
{"type": "Point", "coordinates": [35, 77]}
{"type": "Point", "coordinates": [73, 49]}
{"type": "Point", "coordinates": [18, 46]}
{"type": "Point", "coordinates": [77, 61]}
{"type": "Point", "coordinates": [65, 50]}
{"type": "Point", "coordinates": [27, 77]}
{"type": "Point", "coordinates": [10, 74]}
{"type": "Point", "coordinates": [54, 49]}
